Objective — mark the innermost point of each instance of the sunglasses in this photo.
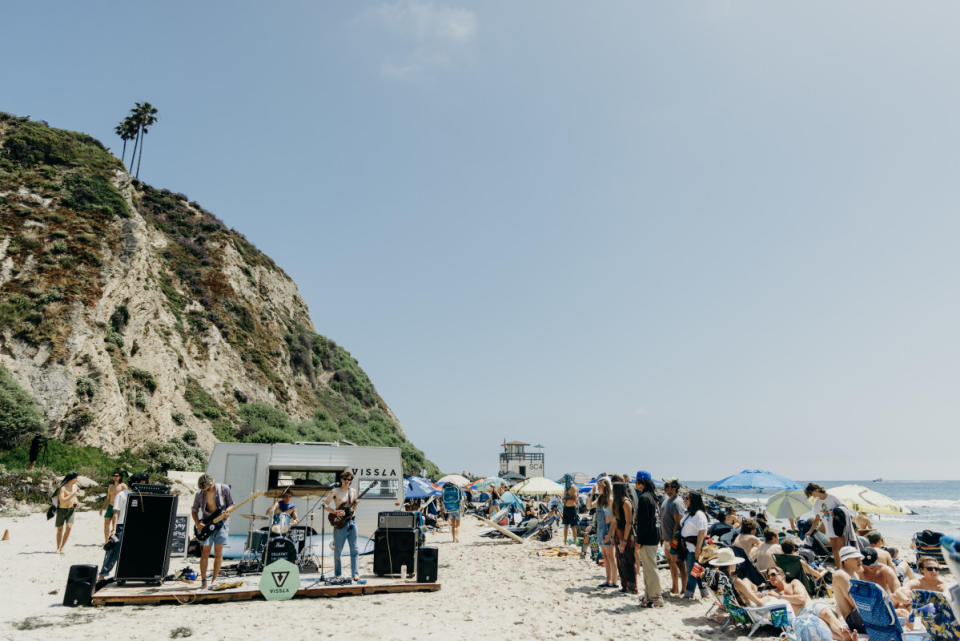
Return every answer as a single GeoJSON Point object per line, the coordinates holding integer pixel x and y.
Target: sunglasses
{"type": "Point", "coordinates": [932, 568]}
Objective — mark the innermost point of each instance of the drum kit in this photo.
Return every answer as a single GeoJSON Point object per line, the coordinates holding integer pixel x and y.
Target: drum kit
{"type": "Point", "coordinates": [281, 539]}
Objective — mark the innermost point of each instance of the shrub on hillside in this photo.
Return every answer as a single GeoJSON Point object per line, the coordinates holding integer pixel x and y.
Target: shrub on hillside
{"type": "Point", "coordinates": [175, 454]}
{"type": "Point", "coordinates": [19, 412]}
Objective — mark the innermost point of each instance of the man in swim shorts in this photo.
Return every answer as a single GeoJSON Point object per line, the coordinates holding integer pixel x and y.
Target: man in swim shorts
{"type": "Point", "coordinates": [106, 510]}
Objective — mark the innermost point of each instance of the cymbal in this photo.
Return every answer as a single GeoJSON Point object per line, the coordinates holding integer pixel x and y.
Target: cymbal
{"type": "Point", "coordinates": [297, 491]}
{"type": "Point", "coordinates": [252, 517]}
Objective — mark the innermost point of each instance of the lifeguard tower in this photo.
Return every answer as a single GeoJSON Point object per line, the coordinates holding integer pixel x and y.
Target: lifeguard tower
{"type": "Point", "coordinates": [516, 460]}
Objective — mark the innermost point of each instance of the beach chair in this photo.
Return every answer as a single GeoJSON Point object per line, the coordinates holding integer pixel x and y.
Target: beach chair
{"type": "Point", "coordinates": [773, 615]}
{"type": "Point", "coordinates": [727, 537]}
{"type": "Point", "coordinates": [792, 567]}
{"type": "Point", "coordinates": [936, 615]}
{"type": "Point", "coordinates": [820, 545]}
{"type": "Point", "coordinates": [879, 617]}
{"type": "Point", "coordinates": [927, 543]}
{"type": "Point", "coordinates": [747, 570]}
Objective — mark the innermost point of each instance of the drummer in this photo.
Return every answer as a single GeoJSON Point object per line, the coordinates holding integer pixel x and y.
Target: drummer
{"type": "Point", "coordinates": [284, 505]}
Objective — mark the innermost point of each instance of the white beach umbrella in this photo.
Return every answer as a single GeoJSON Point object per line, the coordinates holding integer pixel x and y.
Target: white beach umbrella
{"type": "Point", "coordinates": [537, 485]}
{"type": "Point", "coordinates": [863, 499]}
{"type": "Point", "coordinates": [788, 504]}
{"type": "Point", "coordinates": [456, 479]}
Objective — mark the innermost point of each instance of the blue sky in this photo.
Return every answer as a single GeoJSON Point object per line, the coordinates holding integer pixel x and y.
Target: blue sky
{"type": "Point", "coordinates": [688, 237]}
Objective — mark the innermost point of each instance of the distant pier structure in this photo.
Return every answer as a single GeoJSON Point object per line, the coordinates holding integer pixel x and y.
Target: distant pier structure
{"type": "Point", "coordinates": [516, 461]}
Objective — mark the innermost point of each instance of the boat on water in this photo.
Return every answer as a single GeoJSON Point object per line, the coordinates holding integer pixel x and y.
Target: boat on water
{"type": "Point", "coordinates": [877, 480]}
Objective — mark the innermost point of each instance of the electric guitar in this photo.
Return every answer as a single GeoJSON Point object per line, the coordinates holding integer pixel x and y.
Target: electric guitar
{"type": "Point", "coordinates": [340, 522]}
{"type": "Point", "coordinates": [214, 521]}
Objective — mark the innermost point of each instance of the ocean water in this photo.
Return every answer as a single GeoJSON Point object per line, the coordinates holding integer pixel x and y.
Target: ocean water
{"type": "Point", "coordinates": [936, 503]}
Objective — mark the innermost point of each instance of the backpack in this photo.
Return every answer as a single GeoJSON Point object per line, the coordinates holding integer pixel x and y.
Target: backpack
{"type": "Point", "coordinates": [451, 497]}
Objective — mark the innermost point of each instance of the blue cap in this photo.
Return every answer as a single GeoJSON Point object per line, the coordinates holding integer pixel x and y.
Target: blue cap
{"type": "Point", "coordinates": [643, 476]}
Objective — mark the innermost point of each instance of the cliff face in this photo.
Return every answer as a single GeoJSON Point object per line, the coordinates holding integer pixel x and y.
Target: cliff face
{"type": "Point", "coordinates": [133, 315]}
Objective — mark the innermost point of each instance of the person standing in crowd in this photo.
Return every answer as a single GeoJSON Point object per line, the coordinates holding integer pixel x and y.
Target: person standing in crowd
{"type": "Point", "coordinates": [623, 538]}
{"type": "Point", "coordinates": [671, 510]}
{"type": "Point", "coordinates": [119, 510]}
{"type": "Point", "coordinates": [648, 539]}
{"type": "Point", "coordinates": [209, 498]}
{"type": "Point", "coordinates": [823, 507]}
{"type": "Point", "coordinates": [693, 529]}
{"type": "Point", "coordinates": [570, 517]}
{"type": "Point", "coordinates": [602, 500]}
{"type": "Point", "coordinates": [67, 502]}
{"type": "Point", "coordinates": [106, 510]}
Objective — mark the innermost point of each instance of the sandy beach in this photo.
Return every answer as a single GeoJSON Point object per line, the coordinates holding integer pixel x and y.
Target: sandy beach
{"type": "Point", "coordinates": [492, 589]}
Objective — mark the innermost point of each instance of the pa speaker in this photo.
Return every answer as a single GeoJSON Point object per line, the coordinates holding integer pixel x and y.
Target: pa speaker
{"type": "Point", "coordinates": [80, 584]}
{"type": "Point", "coordinates": [427, 565]}
{"type": "Point", "coordinates": [147, 534]}
{"type": "Point", "coordinates": [393, 549]}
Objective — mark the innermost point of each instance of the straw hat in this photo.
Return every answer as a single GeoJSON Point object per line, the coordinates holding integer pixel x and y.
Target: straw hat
{"type": "Point", "coordinates": [707, 553]}
{"type": "Point", "coordinates": [725, 557]}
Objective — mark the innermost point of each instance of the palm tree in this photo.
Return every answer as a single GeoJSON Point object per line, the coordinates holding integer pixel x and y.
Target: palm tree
{"type": "Point", "coordinates": [127, 131]}
{"type": "Point", "coordinates": [141, 116]}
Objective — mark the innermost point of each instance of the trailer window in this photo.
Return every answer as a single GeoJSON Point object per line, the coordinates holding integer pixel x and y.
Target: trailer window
{"type": "Point", "coordinates": [302, 478]}
{"type": "Point", "coordinates": [382, 488]}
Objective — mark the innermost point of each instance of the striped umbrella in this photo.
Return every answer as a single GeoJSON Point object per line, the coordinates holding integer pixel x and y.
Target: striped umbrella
{"type": "Point", "coordinates": [788, 504]}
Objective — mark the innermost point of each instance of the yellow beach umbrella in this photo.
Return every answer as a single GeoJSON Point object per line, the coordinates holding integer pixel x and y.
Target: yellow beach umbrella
{"type": "Point", "coordinates": [863, 499]}
{"type": "Point", "coordinates": [537, 485]}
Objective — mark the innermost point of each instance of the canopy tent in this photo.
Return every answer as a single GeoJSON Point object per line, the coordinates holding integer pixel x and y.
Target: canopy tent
{"type": "Point", "coordinates": [456, 479]}
{"type": "Point", "coordinates": [863, 499]}
{"type": "Point", "coordinates": [538, 485]}
{"type": "Point", "coordinates": [415, 487]}
{"type": "Point", "coordinates": [788, 504]}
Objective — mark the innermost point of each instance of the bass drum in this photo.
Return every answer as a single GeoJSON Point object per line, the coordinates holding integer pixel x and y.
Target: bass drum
{"type": "Point", "coordinates": [280, 548]}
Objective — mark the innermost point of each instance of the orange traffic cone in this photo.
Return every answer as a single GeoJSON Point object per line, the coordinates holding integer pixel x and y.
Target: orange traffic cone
{"type": "Point", "coordinates": [6, 535]}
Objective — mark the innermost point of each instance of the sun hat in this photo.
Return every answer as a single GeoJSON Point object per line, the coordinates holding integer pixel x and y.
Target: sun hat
{"type": "Point", "coordinates": [848, 552]}
{"type": "Point", "coordinates": [725, 557]}
{"type": "Point", "coordinates": [643, 475]}
{"type": "Point", "coordinates": [870, 556]}
{"type": "Point", "coordinates": [708, 552]}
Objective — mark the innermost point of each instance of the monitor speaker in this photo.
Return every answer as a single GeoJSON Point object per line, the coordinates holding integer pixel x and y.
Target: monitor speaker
{"type": "Point", "coordinates": [393, 549]}
{"type": "Point", "coordinates": [427, 565]}
{"type": "Point", "coordinates": [80, 583]}
{"type": "Point", "coordinates": [147, 535]}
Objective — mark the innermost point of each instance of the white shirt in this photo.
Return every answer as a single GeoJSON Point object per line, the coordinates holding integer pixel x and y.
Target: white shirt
{"type": "Point", "coordinates": [120, 505]}
{"type": "Point", "coordinates": [691, 526]}
{"type": "Point", "coordinates": [824, 507]}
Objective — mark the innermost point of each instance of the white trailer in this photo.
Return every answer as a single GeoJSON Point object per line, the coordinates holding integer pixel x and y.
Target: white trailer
{"type": "Point", "coordinates": [255, 467]}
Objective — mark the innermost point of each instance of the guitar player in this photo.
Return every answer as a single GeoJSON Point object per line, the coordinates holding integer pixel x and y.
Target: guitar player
{"type": "Point", "coordinates": [339, 500]}
{"type": "Point", "coordinates": [210, 498]}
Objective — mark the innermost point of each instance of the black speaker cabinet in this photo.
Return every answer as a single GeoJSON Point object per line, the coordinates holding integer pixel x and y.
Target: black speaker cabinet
{"type": "Point", "coordinates": [80, 584]}
{"type": "Point", "coordinates": [147, 535]}
{"type": "Point", "coordinates": [427, 565]}
{"type": "Point", "coordinates": [393, 549]}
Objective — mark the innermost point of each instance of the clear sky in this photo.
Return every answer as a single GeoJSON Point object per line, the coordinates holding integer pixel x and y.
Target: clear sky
{"type": "Point", "coordinates": [690, 237]}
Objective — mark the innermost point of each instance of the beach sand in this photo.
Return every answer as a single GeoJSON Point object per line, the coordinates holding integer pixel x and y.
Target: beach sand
{"type": "Point", "coordinates": [491, 589]}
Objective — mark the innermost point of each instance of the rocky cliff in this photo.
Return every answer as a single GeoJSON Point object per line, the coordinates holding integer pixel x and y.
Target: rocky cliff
{"type": "Point", "coordinates": [135, 317]}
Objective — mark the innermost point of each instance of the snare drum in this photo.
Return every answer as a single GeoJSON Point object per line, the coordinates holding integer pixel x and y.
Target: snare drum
{"type": "Point", "coordinates": [281, 524]}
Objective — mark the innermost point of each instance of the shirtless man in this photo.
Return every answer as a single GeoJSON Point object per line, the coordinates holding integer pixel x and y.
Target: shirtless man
{"type": "Point", "coordinates": [795, 594]}
{"type": "Point", "coordinates": [211, 497]}
{"type": "Point", "coordinates": [876, 572]}
{"type": "Point", "coordinates": [929, 579]}
{"type": "Point", "coordinates": [877, 543]}
{"type": "Point", "coordinates": [851, 566]}
{"type": "Point", "coordinates": [67, 502]}
{"type": "Point", "coordinates": [770, 546]}
{"type": "Point", "coordinates": [106, 510]}
{"type": "Point", "coordinates": [747, 539]}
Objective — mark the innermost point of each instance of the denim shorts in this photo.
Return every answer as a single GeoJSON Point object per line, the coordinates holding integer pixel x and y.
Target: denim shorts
{"type": "Point", "coordinates": [454, 515]}
{"type": "Point", "coordinates": [220, 537]}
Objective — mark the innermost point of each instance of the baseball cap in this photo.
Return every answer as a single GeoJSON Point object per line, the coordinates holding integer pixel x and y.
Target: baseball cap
{"type": "Point", "coordinates": [848, 552]}
{"type": "Point", "coordinates": [643, 476]}
{"type": "Point", "coordinates": [869, 556]}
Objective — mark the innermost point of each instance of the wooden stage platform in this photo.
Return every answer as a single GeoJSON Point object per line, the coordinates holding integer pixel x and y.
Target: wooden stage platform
{"type": "Point", "coordinates": [180, 592]}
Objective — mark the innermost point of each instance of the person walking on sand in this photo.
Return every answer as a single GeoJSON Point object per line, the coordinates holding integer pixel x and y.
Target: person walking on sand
{"type": "Point", "coordinates": [570, 517]}
{"type": "Point", "coordinates": [648, 539]}
{"type": "Point", "coordinates": [452, 499]}
{"type": "Point", "coordinates": [671, 511]}
{"type": "Point", "coordinates": [67, 502]}
{"type": "Point", "coordinates": [107, 510]}
{"type": "Point", "coordinates": [210, 498]}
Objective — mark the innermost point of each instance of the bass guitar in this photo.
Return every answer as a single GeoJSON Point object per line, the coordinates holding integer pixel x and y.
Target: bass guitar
{"type": "Point", "coordinates": [340, 522]}
{"type": "Point", "coordinates": [214, 521]}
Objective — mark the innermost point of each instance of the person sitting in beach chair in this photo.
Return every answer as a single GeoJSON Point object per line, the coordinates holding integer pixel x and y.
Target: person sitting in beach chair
{"type": "Point", "coordinates": [747, 539]}
{"type": "Point", "coordinates": [765, 553]}
{"type": "Point", "coordinates": [731, 518]}
{"type": "Point", "coordinates": [741, 599]}
{"type": "Point", "coordinates": [862, 522]}
{"type": "Point", "coordinates": [875, 539]}
{"type": "Point", "coordinates": [792, 567]}
{"type": "Point", "coordinates": [929, 578]}
{"type": "Point", "coordinates": [851, 565]}
{"type": "Point", "coordinates": [876, 572]}
{"type": "Point", "coordinates": [880, 619]}
{"type": "Point", "coordinates": [817, 574]}
{"type": "Point", "coordinates": [794, 593]}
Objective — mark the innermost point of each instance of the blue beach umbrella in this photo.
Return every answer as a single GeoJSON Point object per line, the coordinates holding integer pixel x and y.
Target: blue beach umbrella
{"type": "Point", "coordinates": [509, 498]}
{"type": "Point", "coordinates": [415, 487]}
{"type": "Point", "coordinates": [755, 480]}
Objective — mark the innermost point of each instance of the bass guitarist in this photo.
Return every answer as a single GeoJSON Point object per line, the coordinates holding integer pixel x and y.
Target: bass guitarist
{"type": "Point", "coordinates": [211, 498]}
{"type": "Point", "coordinates": [342, 501]}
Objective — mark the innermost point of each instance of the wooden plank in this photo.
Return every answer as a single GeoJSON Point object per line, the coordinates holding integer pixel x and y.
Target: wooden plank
{"type": "Point", "coordinates": [501, 529]}
{"type": "Point", "coordinates": [141, 595]}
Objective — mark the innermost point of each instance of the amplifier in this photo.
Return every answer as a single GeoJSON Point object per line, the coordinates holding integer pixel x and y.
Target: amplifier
{"type": "Point", "coordinates": [147, 534]}
{"type": "Point", "coordinates": [149, 488]}
{"type": "Point", "coordinates": [80, 584]}
{"type": "Point", "coordinates": [397, 520]}
{"type": "Point", "coordinates": [392, 549]}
